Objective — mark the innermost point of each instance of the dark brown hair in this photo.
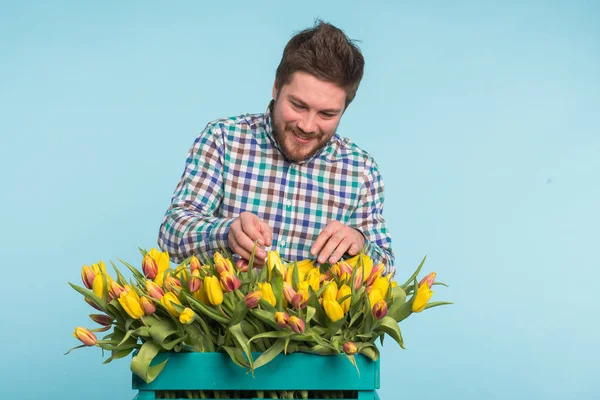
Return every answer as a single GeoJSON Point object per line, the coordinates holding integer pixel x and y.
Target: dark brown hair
{"type": "Point", "coordinates": [325, 52]}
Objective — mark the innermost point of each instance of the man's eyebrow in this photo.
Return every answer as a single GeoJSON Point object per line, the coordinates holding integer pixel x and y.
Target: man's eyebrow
{"type": "Point", "coordinates": [329, 110]}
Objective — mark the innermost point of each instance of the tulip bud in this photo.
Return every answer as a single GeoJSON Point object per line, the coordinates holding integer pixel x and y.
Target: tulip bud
{"type": "Point", "coordinates": [333, 310]}
{"type": "Point", "coordinates": [222, 264]}
{"type": "Point", "coordinates": [187, 316]}
{"type": "Point", "coordinates": [345, 270]}
{"type": "Point", "coordinates": [148, 306]}
{"type": "Point", "coordinates": [350, 348]}
{"type": "Point", "coordinates": [421, 298]}
{"type": "Point", "coordinates": [274, 262]}
{"type": "Point", "coordinates": [172, 283]}
{"type": "Point", "coordinates": [296, 324]}
{"type": "Point", "coordinates": [91, 303]}
{"type": "Point", "coordinates": [149, 267]}
{"type": "Point", "coordinates": [87, 276]}
{"type": "Point", "coordinates": [154, 290]}
{"type": "Point", "coordinates": [194, 281]}
{"type": "Point", "coordinates": [298, 302]}
{"type": "Point", "coordinates": [115, 290]}
{"type": "Point", "coordinates": [194, 264]}
{"type": "Point", "coordinates": [375, 296]}
{"type": "Point", "coordinates": [242, 265]}
{"type": "Point", "coordinates": [428, 280]}
{"type": "Point", "coordinates": [166, 301]}
{"type": "Point", "coordinates": [101, 319]}
{"type": "Point", "coordinates": [230, 281]}
{"type": "Point", "coordinates": [213, 290]}
{"type": "Point", "coordinates": [86, 336]}
{"type": "Point", "coordinates": [252, 299]}
{"type": "Point", "coordinates": [382, 284]}
{"type": "Point", "coordinates": [376, 272]}
{"type": "Point", "coordinates": [282, 319]}
{"type": "Point", "coordinates": [380, 309]}
{"type": "Point", "coordinates": [358, 278]}
{"type": "Point", "coordinates": [288, 292]}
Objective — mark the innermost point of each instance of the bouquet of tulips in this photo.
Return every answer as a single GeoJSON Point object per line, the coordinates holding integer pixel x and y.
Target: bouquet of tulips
{"type": "Point", "coordinates": [230, 306]}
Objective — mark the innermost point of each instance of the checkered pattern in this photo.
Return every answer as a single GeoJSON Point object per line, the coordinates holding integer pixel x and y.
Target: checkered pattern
{"type": "Point", "coordinates": [235, 165]}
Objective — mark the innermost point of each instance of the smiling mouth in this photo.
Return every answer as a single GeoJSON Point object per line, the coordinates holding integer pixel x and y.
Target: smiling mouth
{"type": "Point", "coordinates": [302, 139]}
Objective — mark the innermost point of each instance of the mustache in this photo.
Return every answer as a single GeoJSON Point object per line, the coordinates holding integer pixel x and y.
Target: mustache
{"type": "Point", "coordinates": [304, 135]}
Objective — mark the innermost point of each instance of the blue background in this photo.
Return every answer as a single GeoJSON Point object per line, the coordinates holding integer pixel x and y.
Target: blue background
{"type": "Point", "coordinates": [483, 117]}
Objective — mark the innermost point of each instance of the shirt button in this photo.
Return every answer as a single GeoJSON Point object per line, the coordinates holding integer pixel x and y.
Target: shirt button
{"type": "Point", "coordinates": [288, 203]}
{"type": "Point", "coordinates": [281, 243]}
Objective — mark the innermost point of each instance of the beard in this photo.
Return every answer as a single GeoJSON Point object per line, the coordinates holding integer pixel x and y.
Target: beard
{"type": "Point", "coordinates": [292, 150]}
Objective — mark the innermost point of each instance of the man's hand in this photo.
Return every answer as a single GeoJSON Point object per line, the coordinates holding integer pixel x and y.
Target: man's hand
{"type": "Point", "coordinates": [244, 231]}
{"type": "Point", "coordinates": [336, 240]}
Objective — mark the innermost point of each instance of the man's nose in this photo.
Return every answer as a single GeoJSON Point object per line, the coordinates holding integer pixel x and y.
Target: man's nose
{"type": "Point", "coordinates": [308, 122]}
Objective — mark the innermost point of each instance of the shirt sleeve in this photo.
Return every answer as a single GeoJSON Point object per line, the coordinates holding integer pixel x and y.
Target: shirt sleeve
{"type": "Point", "coordinates": [191, 224]}
{"type": "Point", "coordinates": [368, 219]}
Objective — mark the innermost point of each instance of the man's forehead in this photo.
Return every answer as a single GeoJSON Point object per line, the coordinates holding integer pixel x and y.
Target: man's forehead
{"type": "Point", "coordinates": [315, 93]}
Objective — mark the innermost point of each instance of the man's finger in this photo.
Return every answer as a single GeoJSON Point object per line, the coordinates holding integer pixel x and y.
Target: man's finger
{"type": "Point", "coordinates": [267, 233]}
{"type": "Point", "coordinates": [323, 238]}
{"type": "Point", "coordinates": [251, 225]}
{"type": "Point", "coordinates": [333, 242]}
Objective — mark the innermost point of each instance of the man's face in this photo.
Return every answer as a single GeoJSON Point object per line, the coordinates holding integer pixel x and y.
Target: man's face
{"type": "Point", "coordinates": [306, 114]}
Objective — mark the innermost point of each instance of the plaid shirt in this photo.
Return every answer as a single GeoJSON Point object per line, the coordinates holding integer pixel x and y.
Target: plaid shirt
{"type": "Point", "coordinates": [236, 165]}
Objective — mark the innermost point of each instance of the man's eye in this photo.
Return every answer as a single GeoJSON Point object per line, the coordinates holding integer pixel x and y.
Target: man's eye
{"type": "Point", "coordinates": [299, 106]}
{"type": "Point", "coordinates": [328, 115]}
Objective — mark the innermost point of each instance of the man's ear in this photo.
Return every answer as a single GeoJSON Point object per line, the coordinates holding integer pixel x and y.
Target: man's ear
{"type": "Point", "coordinates": [275, 90]}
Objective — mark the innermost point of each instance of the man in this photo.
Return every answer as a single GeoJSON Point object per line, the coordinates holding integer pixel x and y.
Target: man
{"type": "Point", "coordinates": [284, 179]}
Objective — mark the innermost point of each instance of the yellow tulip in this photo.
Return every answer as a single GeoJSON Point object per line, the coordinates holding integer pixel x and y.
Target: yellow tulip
{"type": "Point", "coordinates": [130, 302]}
{"type": "Point", "coordinates": [274, 261]}
{"type": "Point", "coordinates": [201, 296]}
{"type": "Point", "coordinates": [166, 301]}
{"type": "Point", "coordinates": [186, 316]}
{"type": "Point", "coordinates": [421, 298]}
{"type": "Point", "coordinates": [213, 289]}
{"type": "Point", "coordinates": [374, 296]}
{"type": "Point", "coordinates": [98, 285]}
{"type": "Point", "coordinates": [331, 291]}
{"type": "Point", "coordinates": [343, 292]}
{"type": "Point", "coordinates": [428, 280]}
{"type": "Point", "coordinates": [162, 260]}
{"type": "Point", "coordinates": [333, 310]}
{"type": "Point", "coordinates": [313, 277]}
{"type": "Point", "coordinates": [382, 284]}
{"type": "Point", "coordinates": [267, 293]}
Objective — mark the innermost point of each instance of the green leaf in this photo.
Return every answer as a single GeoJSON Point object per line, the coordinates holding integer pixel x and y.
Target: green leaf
{"type": "Point", "coordinates": [270, 354]}
{"type": "Point", "coordinates": [295, 277]}
{"type": "Point", "coordinates": [238, 314]}
{"type": "Point", "coordinates": [277, 285]}
{"type": "Point", "coordinates": [390, 326]}
{"type": "Point", "coordinates": [436, 304]}
{"type": "Point", "coordinates": [236, 355]}
{"type": "Point", "coordinates": [137, 274]}
{"type": "Point", "coordinates": [140, 364]}
{"type": "Point", "coordinates": [271, 334]}
{"type": "Point", "coordinates": [369, 350]}
{"type": "Point", "coordinates": [414, 276]}
{"type": "Point", "coordinates": [398, 295]}
{"type": "Point", "coordinates": [91, 295]}
{"type": "Point", "coordinates": [242, 341]}
{"type": "Point", "coordinates": [310, 313]}
{"type": "Point", "coordinates": [208, 311]}
{"type": "Point", "coordinates": [265, 316]}
{"type": "Point", "coordinates": [162, 331]}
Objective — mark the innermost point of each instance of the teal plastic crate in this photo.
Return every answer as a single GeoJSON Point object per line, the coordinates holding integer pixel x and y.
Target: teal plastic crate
{"type": "Point", "coordinates": [298, 371]}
